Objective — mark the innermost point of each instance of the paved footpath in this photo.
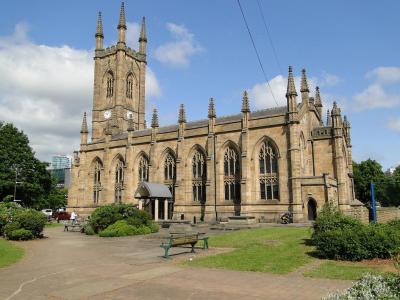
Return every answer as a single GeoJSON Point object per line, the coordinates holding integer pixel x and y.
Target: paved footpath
{"type": "Point", "coordinates": [69, 265]}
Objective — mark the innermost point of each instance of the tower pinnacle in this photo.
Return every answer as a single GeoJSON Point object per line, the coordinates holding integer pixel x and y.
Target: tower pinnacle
{"type": "Point", "coordinates": [122, 20]}
{"type": "Point", "coordinates": [304, 87]}
{"type": "Point", "coordinates": [318, 102]}
{"type": "Point", "coordinates": [328, 119]}
{"type": "Point", "coordinates": [99, 33]}
{"type": "Point", "coordinates": [304, 84]}
{"type": "Point", "coordinates": [182, 114]}
{"type": "Point", "coordinates": [84, 127]}
{"type": "Point", "coordinates": [99, 29]}
{"type": "Point", "coordinates": [291, 89]}
{"type": "Point", "coordinates": [154, 119]}
{"type": "Point", "coordinates": [245, 103]}
{"type": "Point", "coordinates": [211, 109]}
{"type": "Point", "coordinates": [143, 37]}
{"type": "Point", "coordinates": [121, 25]}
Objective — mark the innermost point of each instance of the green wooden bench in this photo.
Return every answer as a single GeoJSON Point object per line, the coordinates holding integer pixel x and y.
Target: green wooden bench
{"type": "Point", "coordinates": [187, 229]}
{"type": "Point", "coordinates": [203, 238]}
{"type": "Point", "coordinates": [179, 240]}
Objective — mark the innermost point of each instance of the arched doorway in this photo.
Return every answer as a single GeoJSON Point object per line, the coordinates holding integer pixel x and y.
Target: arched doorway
{"type": "Point", "coordinates": [312, 209]}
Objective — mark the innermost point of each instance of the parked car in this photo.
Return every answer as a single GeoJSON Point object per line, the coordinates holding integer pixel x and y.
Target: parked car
{"type": "Point", "coordinates": [61, 215]}
{"type": "Point", "coordinates": [48, 212]}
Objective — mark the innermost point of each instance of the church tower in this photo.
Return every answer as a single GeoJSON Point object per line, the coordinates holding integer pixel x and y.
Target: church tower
{"type": "Point", "coordinates": [119, 82]}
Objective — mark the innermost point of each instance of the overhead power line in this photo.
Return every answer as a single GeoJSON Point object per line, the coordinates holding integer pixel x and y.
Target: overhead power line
{"type": "Point", "coordinates": [269, 36]}
{"type": "Point", "coordinates": [257, 54]}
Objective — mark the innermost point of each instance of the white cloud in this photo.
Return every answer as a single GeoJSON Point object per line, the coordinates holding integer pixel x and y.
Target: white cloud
{"type": "Point", "coordinates": [378, 94]}
{"type": "Point", "coordinates": [385, 75]}
{"type": "Point", "coordinates": [178, 52]}
{"type": "Point", "coordinates": [375, 96]}
{"type": "Point", "coordinates": [264, 98]}
{"type": "Point", "coordinates": [153, 88]}
{"type": "Point", "coordinates": [329, 79]}
{"type": "Point", "coordinates": [394, 124]}
{"type": "Point", "coordinates": [44, 91]}
{"type": "Point", "coordinates": [132, 35]}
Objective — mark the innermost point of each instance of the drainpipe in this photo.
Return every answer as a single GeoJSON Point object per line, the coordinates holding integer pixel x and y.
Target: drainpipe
{"type": "Point", "coordinates": [215, 180]}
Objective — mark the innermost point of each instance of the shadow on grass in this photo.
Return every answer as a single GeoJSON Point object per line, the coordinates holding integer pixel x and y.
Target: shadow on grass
{"type": "Point", "coordinates": [313, 253]}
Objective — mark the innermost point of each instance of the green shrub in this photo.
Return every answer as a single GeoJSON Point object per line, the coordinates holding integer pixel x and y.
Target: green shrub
{"type": "Point", "coordinates": [31, 220]}
{"type": "Point", "coordinates": [7, 212]}
{"type": "Point", "coordinates": [88, 230]}
{"type": "Point", "coordinates": [104, 216]}
{"type": "Point", "coordinates": [138, 217]}
{"type": "Point", "coordinates": [394, 223]}
{"type": "Point", "coordinates": [330, 218]}
{"type": "Point", "coordinates": [119, 228]}
{"type": "Point", "coordinates": [340, 244]}
{"type": "Point", "coordinates": [381, 240]}
{"type": "Point", "coordinates": [10, 227]}
{"type": "Point", "coordinates": [142, 229]}
{"type": "Point", "coordinates": [21, 235]}
{"type": "Point", "coordinates": [341, 237]}
{"type": "Point", "coordinates": [154, 227]}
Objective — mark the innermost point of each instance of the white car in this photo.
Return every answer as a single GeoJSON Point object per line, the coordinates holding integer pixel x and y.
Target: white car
{"type": "Point", "coordinates": [48, 212]}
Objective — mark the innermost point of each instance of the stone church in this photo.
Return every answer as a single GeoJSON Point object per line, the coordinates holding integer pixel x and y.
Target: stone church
{"type": "Point", "coordinates": [255, 163]}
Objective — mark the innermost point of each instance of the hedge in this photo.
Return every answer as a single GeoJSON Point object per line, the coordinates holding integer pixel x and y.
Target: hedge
{"type": "Point", "coordinates": [342, 237]}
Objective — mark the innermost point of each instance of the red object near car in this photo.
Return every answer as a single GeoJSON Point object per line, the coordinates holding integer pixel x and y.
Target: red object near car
{"type": "Point", "coordinates": [61, 215]}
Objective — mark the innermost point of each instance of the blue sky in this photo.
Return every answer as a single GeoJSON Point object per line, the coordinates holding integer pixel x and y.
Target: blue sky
{"type": "Point", "coordinates": [199, 49]}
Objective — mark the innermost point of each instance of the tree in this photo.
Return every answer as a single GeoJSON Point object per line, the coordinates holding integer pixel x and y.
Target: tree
{"type": "Point", "coordinates": [55, 199]}
{"type": "Point", "coordinates": [393, 189]}
{"type": "Point", "coordinates": [35, 180]}
{"type": "Point", "coordinates": [366, 172]}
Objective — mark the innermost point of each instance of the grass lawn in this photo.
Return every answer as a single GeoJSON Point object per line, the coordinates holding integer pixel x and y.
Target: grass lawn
{"type": "Point", "coordinates": [276, 250]}
{"type": "Point", "coordinates": [342, 270]}
{"type": "Point", "coordinates": [9, 253]}
{"type": "Point", "coordinates": [280, 250]}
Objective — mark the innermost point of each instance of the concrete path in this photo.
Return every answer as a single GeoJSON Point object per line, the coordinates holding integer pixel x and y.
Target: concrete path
{"type": "Point", "coordinates": [69, 265]}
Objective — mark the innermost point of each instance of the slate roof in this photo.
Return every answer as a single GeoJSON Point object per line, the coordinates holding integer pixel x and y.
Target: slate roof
{"type": "Point", "coordinates": [258, 114]}
{"type": "Point", "coordinates": [152, 190]}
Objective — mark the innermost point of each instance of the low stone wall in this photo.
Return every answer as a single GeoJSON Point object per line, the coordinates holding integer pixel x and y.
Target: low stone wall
{"type": "Point", "coordinates": [386, 214]}
{"type": "Point", "coordinates": [359, 211]}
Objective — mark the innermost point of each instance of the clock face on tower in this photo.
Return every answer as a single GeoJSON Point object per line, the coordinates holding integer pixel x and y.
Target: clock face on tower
{"type": "Point", "coordinates": [107, 114]}
{"type": "Point", "coordinates": [129, 114]}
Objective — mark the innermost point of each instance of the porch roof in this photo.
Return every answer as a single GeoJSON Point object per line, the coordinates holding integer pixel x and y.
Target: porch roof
{"type": "Point", "coordinates": [152, 190]}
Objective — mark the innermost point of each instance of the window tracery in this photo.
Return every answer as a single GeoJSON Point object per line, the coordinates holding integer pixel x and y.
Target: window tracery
{"type": "Point", "coordinates": [199, 176]}
{"type": "Point", "coordinates": [119, 181]}
{"type": "Point", "coordinates": [231, 175]}
{"type": "Point", "coordinates": [268, 172]}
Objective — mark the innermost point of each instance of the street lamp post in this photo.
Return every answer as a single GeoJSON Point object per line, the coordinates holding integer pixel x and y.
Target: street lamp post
{"type": "Point", "coordinates": [16, 169]}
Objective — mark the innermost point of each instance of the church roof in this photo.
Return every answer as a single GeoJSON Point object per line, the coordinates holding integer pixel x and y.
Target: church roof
{"type": "Point", "coordinates": [258, 114]}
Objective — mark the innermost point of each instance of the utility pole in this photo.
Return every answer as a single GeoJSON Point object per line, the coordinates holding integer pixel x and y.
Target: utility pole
{"type": "Point", "coordinates": [373, 202]}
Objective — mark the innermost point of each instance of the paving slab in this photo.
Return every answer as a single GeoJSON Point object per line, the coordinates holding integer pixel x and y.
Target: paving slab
{"type": "Point", "coordinates": [70, 265]}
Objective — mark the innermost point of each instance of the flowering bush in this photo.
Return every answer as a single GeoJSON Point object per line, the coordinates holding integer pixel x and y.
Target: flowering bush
{"type": "Point", "coordinates": [371, 287]}
{"type": "Point", "coordinates": [7, 212]}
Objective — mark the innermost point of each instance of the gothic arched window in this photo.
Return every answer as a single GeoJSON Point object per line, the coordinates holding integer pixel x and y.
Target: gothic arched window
{"type": "Point", "coordinates": [231, 175]}
{"type": "Point", "coordinates": [268, 172]}
{"type": "Point", "coordinates": [109, 85]}
{"type": "Point", "coordinates": [199, 176]}
{"type": "Point", "coordinates": [169, 167]}
{"type": "Point", "coordinates": [143, 169]}
{"type": "Point", "coordinates": [129, 86]}
{"type": "Point", "coordinates": [170, 179]}
{"type": "Point", "coordinates": [119, 181]}
{"type": "Point", "coordinates": [97, 182]}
